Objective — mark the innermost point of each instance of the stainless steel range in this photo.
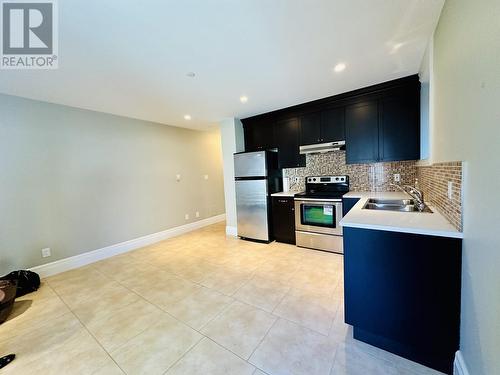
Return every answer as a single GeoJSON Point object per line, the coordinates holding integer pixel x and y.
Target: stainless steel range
{"type": "Point", "coordinates": [318, 211]}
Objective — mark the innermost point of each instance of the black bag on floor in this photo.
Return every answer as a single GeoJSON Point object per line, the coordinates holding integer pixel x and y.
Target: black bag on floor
{"type": "Point", "coordinates": [27, 281]}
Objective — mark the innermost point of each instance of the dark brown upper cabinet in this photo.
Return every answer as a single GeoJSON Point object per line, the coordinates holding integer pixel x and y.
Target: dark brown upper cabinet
{"type": "Point", "coordinates": [361, 120]}
{"type": "Point", "coordinates": [378, 123]}
{"type": "Point", "coordinates": [324, 126]}
{"type": "Point", "coordinates": [310, 128]}
{"type": "Point", "coordinates": [399, 126]}
{"type": "Point", "coordinates": [259, 135]}
{"type": "Point", "coordinates": [287, 136]}
{"type": "Point", "coordinates": [333, 125]}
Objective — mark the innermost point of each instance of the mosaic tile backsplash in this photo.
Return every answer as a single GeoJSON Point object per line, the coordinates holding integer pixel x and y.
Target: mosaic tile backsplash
{"type": "Point", "coordinates": [362, 177]}
{"type": "Point", "coordinates": [433, 181]}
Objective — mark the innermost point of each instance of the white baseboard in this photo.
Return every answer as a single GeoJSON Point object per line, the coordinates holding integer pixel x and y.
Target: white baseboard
{"type": "Point", "coordinates": [232, 231]}
{"type": "Point", "coordinates": [459, 366]}
{"type": "Point", "coordinates": [80, 260]}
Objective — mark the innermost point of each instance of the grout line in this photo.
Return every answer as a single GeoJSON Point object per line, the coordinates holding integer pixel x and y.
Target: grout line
{"type": "Point", "coordinates": [92, 335]}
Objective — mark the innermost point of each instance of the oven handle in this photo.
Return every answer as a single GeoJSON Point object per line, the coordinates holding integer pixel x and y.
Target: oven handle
{"type": "Point", "coordinates": [317, 200]}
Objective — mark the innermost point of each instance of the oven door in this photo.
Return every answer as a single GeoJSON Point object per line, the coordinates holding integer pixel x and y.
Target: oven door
{"type": "Point", "coordinates": [318, 216]}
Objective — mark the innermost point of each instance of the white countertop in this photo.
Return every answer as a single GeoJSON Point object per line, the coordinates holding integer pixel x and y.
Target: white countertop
{"type": "Point", "coordinates": [432, 224]}
{"type": "Point", "coordinates": [290, 193]}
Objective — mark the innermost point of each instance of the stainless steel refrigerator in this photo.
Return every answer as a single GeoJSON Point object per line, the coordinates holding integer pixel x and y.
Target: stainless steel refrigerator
{"type": "Point", "coordinates": [257, 176]}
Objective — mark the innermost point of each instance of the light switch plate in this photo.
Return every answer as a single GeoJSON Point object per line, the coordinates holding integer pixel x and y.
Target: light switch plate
{"type": "Point", "coordinates": [186, 216]}
{"type": "Point", "coordinates": [177, 177]}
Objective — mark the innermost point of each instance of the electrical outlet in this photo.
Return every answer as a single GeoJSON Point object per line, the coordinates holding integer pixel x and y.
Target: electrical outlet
{"type": "Point", "coordinates": [397, 177]}
{"type": "Point", "coordinates": [450, 189]}
{"type": "Point", "coordinates": [186, 216]}
{"type": "Point", "coordinates": [177, 177]}
{"type": "Point", "coordinates": [205, 177]}
{"type": "Point", "coordinates": [46, 252]}
{"type": "Point", "coordinates": [197, 214]}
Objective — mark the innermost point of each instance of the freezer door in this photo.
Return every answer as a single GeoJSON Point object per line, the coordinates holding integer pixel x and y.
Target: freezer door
{"type": "Point", "coordinates": [250, 164]}
{"type": "Point", "coordinates": [251, 208]}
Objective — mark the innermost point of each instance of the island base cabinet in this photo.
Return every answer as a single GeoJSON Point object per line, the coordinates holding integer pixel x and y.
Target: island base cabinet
{"type": "Point", "coordinates": [402, 293]}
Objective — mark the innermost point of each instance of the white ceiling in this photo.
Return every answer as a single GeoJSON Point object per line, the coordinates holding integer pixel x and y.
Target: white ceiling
{"type": "Point", "coordinates": [131, 57]}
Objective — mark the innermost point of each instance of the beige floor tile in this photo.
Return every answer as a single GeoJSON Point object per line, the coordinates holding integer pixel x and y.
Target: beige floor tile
{"type": "Point", "coordinates": [310, 310]}
{"type": "Point", "coordinates": [240, 328]}
{"type": "Point", "coordinates": [111, 368]}
{"type": "Point", "coordinates": [226, 280]}
{"type": "Point", "coordinates": [352, 359]}
{"type": "Point", "coordinates": [196, 271]}
{"type": "Point", "coordinates": [262, 293]}
{"type": "Point", "coordinates": [200, 307]}
{"type": "Point", "coordinates": [104, 302]}
{"type": "Point", "coordinates": [319, 282]}
{"type": "Point", "coordinates": [125, 269]}
{"type": "Point", "coordinates": [62, 346]}
{"type": "Point", "coordinates": [76, 289]}
{"type": "Point", "coordinates": [28, 314]}
{"type": "Point", "coordinates": [291, 349]}
{"type": "Point", "coordinates": [163, 289]}
{"type": "Point", "coordinates": [75, 275]}
{"type": "Point", "coordinates": [208, 358]}
{"type": "Point", "coordinates": [116, 329]}
{"type": "Point", "coordinates": [157, 348]}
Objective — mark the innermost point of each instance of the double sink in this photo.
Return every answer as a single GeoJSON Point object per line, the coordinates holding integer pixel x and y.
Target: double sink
{"type": "Point", "coordinates": [400, 205]}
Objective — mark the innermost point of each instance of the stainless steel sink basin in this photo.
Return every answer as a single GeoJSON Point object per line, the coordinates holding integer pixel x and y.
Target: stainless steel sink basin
{"type": "Point", "coordinates": [400, 205]}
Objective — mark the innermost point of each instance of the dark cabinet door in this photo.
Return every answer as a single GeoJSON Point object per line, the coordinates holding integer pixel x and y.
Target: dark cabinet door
{"type": "Point", "coordinates": [347, 204]}
{"type": "Point", "coordinates": [259, 135]}
{"type": "Point", "coordinates": [310, 128]}
{"type": "Point", "coordinates": [333, 125]}
{"type": "Point", "coordinates": [399, 127]}
{"type": "Point", "coordinates": [284, 219]}
{"type": "Point", "coordinates": [287, 137]}
{"type": "Point", "coordinates": [361, 127]}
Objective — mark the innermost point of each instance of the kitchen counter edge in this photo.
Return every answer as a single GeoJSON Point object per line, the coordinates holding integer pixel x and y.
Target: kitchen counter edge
{"type": "Point", "coordinates": [434, 224]}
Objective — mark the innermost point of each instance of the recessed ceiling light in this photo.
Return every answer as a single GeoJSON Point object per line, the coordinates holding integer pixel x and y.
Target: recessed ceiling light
{"type": "Point", "coordinates": [243, 99]}
{"type": "Point", "coordinates": [339, 67]}
{"type": "Point", "coordinates": [187, 117]}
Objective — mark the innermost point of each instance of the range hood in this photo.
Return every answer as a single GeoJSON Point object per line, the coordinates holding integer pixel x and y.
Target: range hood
{"type": "Point", "coordinates": [321, 148]}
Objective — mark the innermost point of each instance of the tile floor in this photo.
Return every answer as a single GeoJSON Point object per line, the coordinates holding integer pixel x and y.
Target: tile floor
{"type": "Point", "coordinates": [200, 303]}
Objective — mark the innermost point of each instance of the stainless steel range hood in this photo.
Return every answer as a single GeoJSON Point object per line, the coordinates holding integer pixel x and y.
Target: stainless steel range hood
{"type": "Point", "coordinates": [320, 148]}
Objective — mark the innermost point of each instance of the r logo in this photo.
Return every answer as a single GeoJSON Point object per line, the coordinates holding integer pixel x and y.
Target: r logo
{"type": "Point", "coordinates": [27, 28]}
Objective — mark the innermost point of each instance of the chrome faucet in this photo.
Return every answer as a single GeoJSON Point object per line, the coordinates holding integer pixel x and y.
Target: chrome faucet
{"type": "Point", "coordinates": [416, 194]}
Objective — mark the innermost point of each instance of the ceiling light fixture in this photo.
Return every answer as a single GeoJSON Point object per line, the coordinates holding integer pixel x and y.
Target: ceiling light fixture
{"type": "Point", "coordinates": [243, 99]}
{"type": "Point", "coordinates": [339, 67]}
{"type": "Point", "coordinates": [187, 117]}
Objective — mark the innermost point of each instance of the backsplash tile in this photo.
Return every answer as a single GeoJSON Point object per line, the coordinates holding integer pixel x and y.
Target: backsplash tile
{"type": "Point", "coordinates": [362, 177]}
{"type": "Point", "coordinates": [433, 181]}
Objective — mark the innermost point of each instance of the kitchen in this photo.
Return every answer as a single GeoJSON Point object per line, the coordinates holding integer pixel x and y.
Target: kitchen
{"type": "Point", "coordinates": [283, 187]}
{"type": "Point", "coordinates": [341, 175]}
